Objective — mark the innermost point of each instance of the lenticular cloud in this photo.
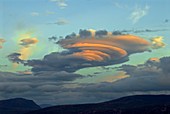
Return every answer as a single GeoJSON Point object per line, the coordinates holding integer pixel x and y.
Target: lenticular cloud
{"type": "Point", "coordinates": [106, 47]}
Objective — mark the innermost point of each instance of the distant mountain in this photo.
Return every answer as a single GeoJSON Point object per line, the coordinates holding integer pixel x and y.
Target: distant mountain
{"type": "Point", "coordinates": [138, 104]}
{"type": "Point", "coordinates": [17, 106]}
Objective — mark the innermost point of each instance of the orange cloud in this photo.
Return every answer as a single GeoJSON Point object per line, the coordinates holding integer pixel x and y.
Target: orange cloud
{"type": "Point", "coordinates": [26, 72]}
{"type": "Point", "coordinates": [110, 47]}
{"type": "Point", "coordinates": [92, 55]}
{"type": "Point", "coordinates": [99, 55]}
{"type": "Point", "coordinates": [28, 41]}
{"type": "Point", "coordinates": [154, 59]}
{"type": "Point", "coordinates": [113, 78]}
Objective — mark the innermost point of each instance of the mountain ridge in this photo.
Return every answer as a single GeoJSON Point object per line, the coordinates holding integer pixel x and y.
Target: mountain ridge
{"type": "Point", "coordinates": [137, 104]}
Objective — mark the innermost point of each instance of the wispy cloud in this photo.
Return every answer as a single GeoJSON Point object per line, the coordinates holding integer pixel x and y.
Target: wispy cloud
{"type": "Point", "coordinates": [118, 5]}
{"type": "Point", "coordinates": [138, 13]}
{"type": "Point", "coordinates": [49, 12]}
{"type": "Point", "coordinates": [61, 3]}
{"type": "Point", "coordinates": [60, 22]}
{"type": "Point", "coordinates": [35, 14]}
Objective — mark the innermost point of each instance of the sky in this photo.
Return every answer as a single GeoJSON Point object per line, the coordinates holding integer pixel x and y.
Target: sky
{"type": "Point", "coordinates": [67, 52]}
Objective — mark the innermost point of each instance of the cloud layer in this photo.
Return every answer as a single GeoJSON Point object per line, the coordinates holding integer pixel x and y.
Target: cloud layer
{"type": "Point", "coordinates": [151, 77]}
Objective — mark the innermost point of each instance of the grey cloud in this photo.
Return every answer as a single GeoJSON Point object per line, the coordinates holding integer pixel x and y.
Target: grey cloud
{"type": "Point", "coordinates": [14, 57]}
{"type": "Point", "coordinates": [61, 22]}
{"type": "Point", "coordinates": [117, 32]}
{"type": "Point", "coordinates": [52, 38]}
{"type": "Point", "coordinates": [84, 33]}
{"type": "Point", "coordinates": [72, 35]}
{"type": "Point", "coordinates": [164, 65]}
{"type": "Point", "coordinates": [151, 77]}
{"type": "Point", "coordinates": [149, 30]}
{"type": "Point", "coordinates": [136, 31]}
{"type": "Point", "coordinates": [65, 62]}
{"type": "Point", "coordinates": [36, 87]}
{"type": "Point", "coordinates": [101, 33]}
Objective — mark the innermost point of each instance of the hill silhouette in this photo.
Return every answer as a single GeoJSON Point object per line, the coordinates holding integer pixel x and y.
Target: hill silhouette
{"type": "Point", "coordinates": [138, 104]}
{"type": "Point", "coordinates": [17, 106]}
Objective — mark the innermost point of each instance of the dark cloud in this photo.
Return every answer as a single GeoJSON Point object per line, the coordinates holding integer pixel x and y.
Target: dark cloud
{"type": "Point", "coordinates": [149, 30]}
{"type": "Point", "coordinates": [41, 87]}
{"type": "Point", "coordinates": [59, 76]}
{"type": "Point", "coordinates": [149, 68]}
{"type": "Point", "coordinates": [64, 61]}
{"type": "Point", "coordinates": [117, 32]}
{"type": "Point", "coordinates": [164, 65]}
{"type": "Point", "coordinates": [73, 35]}
{"type": "Point", "coordinates": [14, 57]}
{"type": "Point", "coordinates": [85, 34]}
{"type": "Point", "coordinates": [101, 33]}
{"type": "Point", "coordinates": [53, 38]}
{"type": "Point", "coordinates": [28, 42]}
{"type": "Point", "coordinates": [136, 31]}
{"type": "Point", "coordinates": [151, 77]}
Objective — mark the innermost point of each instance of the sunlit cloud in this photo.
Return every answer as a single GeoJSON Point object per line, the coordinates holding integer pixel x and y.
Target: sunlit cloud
{"type": "Point", "coordinates": [90, 48]}
{"type": "Point", "coordinates": [138, 13]}
{"type": "Point", "coordinates": [27, 47]}
{"type": "Point", "coordinates": [102, 46]}
{"type": "Point", "coordinates": [115, 77]}
{"type": "Point", "coordinates": [157, 42]}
